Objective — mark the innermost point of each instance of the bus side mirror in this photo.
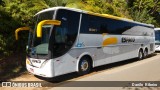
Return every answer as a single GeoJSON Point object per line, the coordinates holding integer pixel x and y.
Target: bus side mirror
{"type": "Point", "coordinates": [46, 22]}
{"type": "Point", "coordinates": [20, 29]}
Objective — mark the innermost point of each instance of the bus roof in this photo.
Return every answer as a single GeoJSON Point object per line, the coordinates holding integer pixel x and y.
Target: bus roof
{"type": "Point", "coordinates": [59, 7]}
{"type": "Point", "coordinates": [95, 14]}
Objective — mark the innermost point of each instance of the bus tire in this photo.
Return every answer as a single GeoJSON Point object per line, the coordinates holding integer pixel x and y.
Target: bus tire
{"type": "Point", "coordinates": [84, 66]}
{"type": "Point", "coordinates": [145, 53]}
{"type": "Point", "coordinates": [140, 54]}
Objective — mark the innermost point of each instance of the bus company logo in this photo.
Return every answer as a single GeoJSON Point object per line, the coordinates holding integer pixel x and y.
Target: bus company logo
{"type": "Point", "coordinates": [36, 61]}
{"type": "Point", "coordinates": [127, 39]}
{"type": "Point", "coordinates": [80, 44]}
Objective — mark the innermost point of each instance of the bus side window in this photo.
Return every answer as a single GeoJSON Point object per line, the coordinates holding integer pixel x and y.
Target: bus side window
{"type": "Point", "coordinates": [84, 24]}
{"type": "Point", "coordinates": [93, 25]}
{"type": "Point", "coordinates": [103, 28]}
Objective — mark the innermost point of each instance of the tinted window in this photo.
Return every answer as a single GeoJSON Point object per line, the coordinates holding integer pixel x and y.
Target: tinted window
{"type": "Point", "coordinates": [64, 36]}
{"type": "Point", "coordinates": [98, 25]}
{"type": "Point", "coordinates": [112, 26]}
{"type": "Point", "coordinates": [116, 26]}
{"type": "Point", "coordinates": [84, 24]}
{"type": "Point", "coordinates": [89, 24]}
{"type": "Point", "coordinates": [157, 35]}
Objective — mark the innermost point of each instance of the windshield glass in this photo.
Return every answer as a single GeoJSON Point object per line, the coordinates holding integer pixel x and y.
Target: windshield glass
{"type": "Point", "coordinates": [39, 46]}
{"type": "Point", "coordinates": [56, 40]}
{"type": "Point", "coordinates": [157, 37]}
{"type": "Point", "coordinates": [64, 36]}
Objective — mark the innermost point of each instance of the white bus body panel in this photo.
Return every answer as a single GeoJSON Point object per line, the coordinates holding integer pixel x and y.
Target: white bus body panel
{"type": "Point", "coordinates": [52, 68]}
{"type": "Point", "coordinates": [45, 69]}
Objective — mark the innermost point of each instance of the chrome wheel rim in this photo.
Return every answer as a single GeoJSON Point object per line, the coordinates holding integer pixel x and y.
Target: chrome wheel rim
{"type": "Point", "coordinates": [145, 53]}
{"type": "Point", "coordinates": [140, 55]}
{"type": "Point", "coordinates": [84, 65]}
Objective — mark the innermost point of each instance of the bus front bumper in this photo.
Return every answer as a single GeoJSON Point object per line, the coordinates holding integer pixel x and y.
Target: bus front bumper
{"type": "Point", "coordinates": [44, 71]}
{"type": "Point", "coordinates": [157, 48]}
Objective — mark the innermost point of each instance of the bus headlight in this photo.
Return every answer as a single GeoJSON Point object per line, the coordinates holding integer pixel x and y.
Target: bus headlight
{"type": "Point", "coordinates": [27, 61]}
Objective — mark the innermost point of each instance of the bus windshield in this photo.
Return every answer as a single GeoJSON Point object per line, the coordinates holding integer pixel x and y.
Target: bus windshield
{"type": "Point", "coordinates": [38, 47]}
{"type": "Point", "coordinates": [157, 37]}
{"type": "Point", "coordinates": [56, 40]}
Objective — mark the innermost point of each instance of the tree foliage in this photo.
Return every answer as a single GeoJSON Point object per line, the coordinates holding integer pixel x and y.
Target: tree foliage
{"type": "Point", "coordinates": [146, 11]}
{"type": "Point", "coordinates": [2, 3]}
{"type": "Point", "coordinates": [115, 7]}
{"type": "Point", "coordinates": [15, 14]}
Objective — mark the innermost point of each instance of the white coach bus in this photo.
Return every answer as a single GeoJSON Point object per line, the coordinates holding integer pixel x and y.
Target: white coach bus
{"type": "Point", "coordinates": [67, 40]}
{"type": "Point", "coordinates": [157, 39]}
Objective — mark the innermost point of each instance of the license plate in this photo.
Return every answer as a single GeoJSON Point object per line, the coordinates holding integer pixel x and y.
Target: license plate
{"type": "Point", "coordinates": [32, 70]}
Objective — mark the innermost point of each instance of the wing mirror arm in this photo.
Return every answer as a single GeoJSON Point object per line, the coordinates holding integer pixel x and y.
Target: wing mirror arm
{"type": "Point", "coordinates": [46, 22]}
{"type": "Point", "coordinates": [20, 29]}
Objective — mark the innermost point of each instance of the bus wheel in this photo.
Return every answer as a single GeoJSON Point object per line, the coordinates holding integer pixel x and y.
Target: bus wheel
{"type": "Point", "coordinates": [145, 53]}
{"type": "Point", "coordinates": [84, 66]}
{"type": "Point", "coordinates": [140, 55]}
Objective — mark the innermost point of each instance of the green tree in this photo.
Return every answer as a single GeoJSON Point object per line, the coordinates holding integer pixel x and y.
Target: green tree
{"type": "Point", "coordinates": [113, 7]}
{"type": "Point", "coordinates": [146, 11]}
{"type": "Point", "coordinates": [24, 9]}
{"type": "Point", "coordinates": [2, 3]}
{"type": "Point", "coordinates": [15, 14]}
{"type": "Point", "coordinates": [53, 3]}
